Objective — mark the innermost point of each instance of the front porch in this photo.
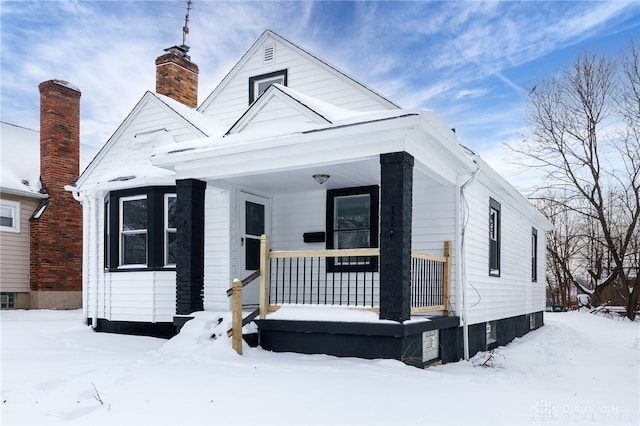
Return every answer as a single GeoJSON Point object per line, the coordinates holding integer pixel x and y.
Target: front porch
{"type": "Point", "coordinates": [307, 308]}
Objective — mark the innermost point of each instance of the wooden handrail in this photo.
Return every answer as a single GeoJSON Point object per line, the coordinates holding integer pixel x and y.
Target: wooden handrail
{"type": "Point", "coordinates": [325, 253]}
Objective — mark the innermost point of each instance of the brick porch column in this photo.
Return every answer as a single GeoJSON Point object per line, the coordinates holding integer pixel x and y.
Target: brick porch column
{"type": "Point", "coordinates": [190, 246]}
{"type": "Point", "coordinates": [396, 204]}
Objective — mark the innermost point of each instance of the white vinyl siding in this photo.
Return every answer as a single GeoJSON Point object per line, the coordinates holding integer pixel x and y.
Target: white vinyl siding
{"type": "Point", "coordinates": [512, 293]}
{"type": "Point", "coordinates": [303, 74]}
{"type": "Point", "coordinates": [124, 149]}
{"type": "Point", "coordinates": [434, 222]}
{"type": "Point", "coordinates": [217, 259]}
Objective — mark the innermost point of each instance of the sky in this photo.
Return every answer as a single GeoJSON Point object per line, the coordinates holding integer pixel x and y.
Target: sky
{"type": "Point", "coordinates": [471, 62]}
{"type": "Point", "coordinates": [578, 369]}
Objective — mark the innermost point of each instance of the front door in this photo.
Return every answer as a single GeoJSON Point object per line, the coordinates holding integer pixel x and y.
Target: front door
{"type": "Point", "coordinates": [254, 221]}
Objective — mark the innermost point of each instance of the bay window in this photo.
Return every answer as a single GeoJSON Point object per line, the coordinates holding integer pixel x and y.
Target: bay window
{"type": "Point", "coordinates": [140, 229]}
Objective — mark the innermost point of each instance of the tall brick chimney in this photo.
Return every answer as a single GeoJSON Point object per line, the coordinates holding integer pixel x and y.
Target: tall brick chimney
{"type": "Point", "coordinates": [56, 235]}
{"type": "Point", "coordinates": [177, 76]}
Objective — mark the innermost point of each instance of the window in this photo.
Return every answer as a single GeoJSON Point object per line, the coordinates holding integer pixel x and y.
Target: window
{"type": "Point", "coordinates": [352, 222]}
{"type": "Point", "coordinates": [494, 238]}
{"type": "Point", "coordinates": [491, 332]}
{"type": "Point", "coordinates": [133, 230]}
{"type": "Point", "coordinates": [170, 228]}
{"type": "Point", "coordinates": [9, 216]}
{"type": "Point", "coordinates": [534, 254]}
{"type": "Point", "coordinates": [260, 83]}
{"type": "Point", "coordinates": [7, 300]}
{"type": "Point", "coordinates": [140, 229]}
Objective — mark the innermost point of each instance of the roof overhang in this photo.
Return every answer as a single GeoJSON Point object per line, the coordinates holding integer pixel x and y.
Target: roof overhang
{"type": "Point", "coordinates": [26, 194]}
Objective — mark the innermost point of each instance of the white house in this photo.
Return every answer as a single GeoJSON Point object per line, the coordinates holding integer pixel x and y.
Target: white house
{"type": "Point", "coordinates": [447, 255]}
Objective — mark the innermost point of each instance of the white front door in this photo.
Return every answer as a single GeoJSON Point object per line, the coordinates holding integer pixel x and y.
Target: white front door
{"type": "Point", "coordinates": [254, 221]}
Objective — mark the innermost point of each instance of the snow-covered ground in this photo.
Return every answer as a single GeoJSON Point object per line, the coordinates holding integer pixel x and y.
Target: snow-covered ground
{"type": "Point", "coordinates": [577, 369]}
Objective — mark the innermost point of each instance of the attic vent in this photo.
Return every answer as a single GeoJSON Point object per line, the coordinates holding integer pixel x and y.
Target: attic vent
{"type": "Point", "coordinates": [269, 53]}
{"type": "Point", "coordinates": [122, 178]}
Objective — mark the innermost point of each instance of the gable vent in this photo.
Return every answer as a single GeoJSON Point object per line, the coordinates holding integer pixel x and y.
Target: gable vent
{"type": "Point", "coordinates": [269, 53]}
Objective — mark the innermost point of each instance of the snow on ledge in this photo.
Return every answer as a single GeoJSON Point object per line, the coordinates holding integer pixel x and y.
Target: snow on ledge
{"type": "Point", "coordinates": [333, 314]}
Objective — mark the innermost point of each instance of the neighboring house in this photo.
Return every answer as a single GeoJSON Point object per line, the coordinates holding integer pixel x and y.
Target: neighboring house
{"type": "Point", "coordinates": [290, 147]}
{"type": "Point", "coordinates": [40, 223]}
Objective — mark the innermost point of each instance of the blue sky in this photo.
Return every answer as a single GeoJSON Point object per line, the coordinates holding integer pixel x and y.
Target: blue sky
{"type": "Point", "coordinates": [471, 62]}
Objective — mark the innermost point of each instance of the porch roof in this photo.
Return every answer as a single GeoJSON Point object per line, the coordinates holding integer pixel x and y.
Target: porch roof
{"type": "Point", "coordinates": [349, 145]}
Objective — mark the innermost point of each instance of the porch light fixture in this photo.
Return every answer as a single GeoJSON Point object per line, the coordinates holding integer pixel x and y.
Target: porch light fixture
{"type": "Point", "coordinates": [321, 178]}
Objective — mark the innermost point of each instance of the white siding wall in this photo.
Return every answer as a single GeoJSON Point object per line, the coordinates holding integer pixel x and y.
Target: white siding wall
{"type": "Point", "coordinates": [15, 249]}
{"type": "Point", "coordinates": [147, 296]}
{"type": "Point", "coordinates": [217, 234]}
{"type": "Point", "coordinates": [127, 150]}
{"type": "Point", "coordinates": [434, 222]}
{"type": "Point", "coordinates": [304, 75]}
{"type": "Point", "coordinates": [295, 214]}
{"type": "Point", "coordinates": [513, 293]}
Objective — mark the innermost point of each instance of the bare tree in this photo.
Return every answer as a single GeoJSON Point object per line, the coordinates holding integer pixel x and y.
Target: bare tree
{"type": "Point", "coordinates": [585, 135]}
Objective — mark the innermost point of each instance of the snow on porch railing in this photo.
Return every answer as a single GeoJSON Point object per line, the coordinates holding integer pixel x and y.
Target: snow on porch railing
{"type": "Point", "coordinates": [430, 281]}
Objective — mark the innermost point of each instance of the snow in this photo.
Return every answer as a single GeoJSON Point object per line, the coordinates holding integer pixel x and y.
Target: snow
{"type": "Point", "coordinates": [20, 156]}
{"type": "Point", "coordinates": [577, 369]}
{"type": "Point", "coordinates": [333, 313]}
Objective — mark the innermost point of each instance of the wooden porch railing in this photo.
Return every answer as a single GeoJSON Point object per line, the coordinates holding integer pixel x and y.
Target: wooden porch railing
{"type": "Point", "coordinates": [301, 277]}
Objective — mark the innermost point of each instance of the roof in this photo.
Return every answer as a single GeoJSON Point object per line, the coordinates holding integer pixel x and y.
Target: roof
{"type": "Point", "coordinates": [201, 124]}
{"type": "Point", "coordinates": [20, 158]}
{"type": "Point", "coordinates": [305, 53]}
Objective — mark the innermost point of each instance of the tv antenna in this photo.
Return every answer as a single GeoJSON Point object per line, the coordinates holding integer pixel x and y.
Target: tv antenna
{"type": "Point", "coordinates": [185, 29]}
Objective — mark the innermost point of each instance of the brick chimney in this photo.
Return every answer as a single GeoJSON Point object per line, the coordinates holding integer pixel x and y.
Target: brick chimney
{"type": "Point", "coordinates": [56, 235]}
{"type": "Point", "coordinates": [177, 76]}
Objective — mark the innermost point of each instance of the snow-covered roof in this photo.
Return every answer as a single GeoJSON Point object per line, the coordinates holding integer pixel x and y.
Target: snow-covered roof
{"type": "Point", "coordinates": [20, 153]}
{"type": "Point", "coordinates": [330, 116]}
{"type": "Point", "coordinates": [130, 172]}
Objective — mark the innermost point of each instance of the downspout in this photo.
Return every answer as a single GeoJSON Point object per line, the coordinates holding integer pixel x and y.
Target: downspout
{"type": "Point", "coordinates": [463, 268]}
{"type": "Point", "coordinates": [94, 319]}
{"type": "Point", "coordinates": [84, 201]}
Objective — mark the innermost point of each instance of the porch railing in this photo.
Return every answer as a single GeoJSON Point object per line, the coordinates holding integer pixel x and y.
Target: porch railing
{"type": "Point", "coordinates": [302, 277]}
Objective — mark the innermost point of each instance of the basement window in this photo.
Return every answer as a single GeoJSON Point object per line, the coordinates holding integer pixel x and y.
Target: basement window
{"type": "Point", "coordinates": [7, 300]}
{"type": "Point", "coordinates": [9, 216]}
{"type": "Point", "coordinates": [492, 336]}
{"type": "Point", "coordinates": [260, 83]}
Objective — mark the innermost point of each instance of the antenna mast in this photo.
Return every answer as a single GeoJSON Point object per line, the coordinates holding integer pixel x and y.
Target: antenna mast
{"type": "Point", "coordinates": [185, 29]}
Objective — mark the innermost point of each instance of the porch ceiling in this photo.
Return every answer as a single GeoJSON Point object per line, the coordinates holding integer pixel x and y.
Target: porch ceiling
{"type": "Point", "coordinates": [343, 175]}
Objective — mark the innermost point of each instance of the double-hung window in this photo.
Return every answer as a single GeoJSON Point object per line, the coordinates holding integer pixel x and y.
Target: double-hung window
{"type": "Point", "coordinates": [352, 222]}
{"type": "Point", "coordinates": [170, 228]}
{"type": "Point", "coordinates": [9, 216]}
{"type": "Point", "coordinates": [141, 229]}
{"type": "Point", "coordinates": [494, 238]}
{"type": "Point", "coordinates": [133, 231]}
{"type": "Point", "coordinates": [534, 254]}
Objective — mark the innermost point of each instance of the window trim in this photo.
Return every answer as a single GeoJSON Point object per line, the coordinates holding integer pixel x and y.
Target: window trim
{"type": "Point", "coordinates": [122, 232]}
{"type": "Point", "coordinates": [495, 235]}
{"type": "Point", "coordinates": [257, 79]}
{"type": "Point", "coordinates": [374, 225]}
{"type": "Point", "coordinates": [155, 196]}
{"type": "Point", "coordinates": [167, 230]}
{"type": "Point", "coordinates": [14, 207]}
{"type": "Point", "coordinates": [534, 255]}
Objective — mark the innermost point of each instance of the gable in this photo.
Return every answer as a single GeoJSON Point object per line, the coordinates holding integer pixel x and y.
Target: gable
{"type": "Point", "coordinates": [155, 121]}
{"type": "Point", "coordinates": [305, 73]}
{"type": "Point", "coordinates": [276, 107]}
